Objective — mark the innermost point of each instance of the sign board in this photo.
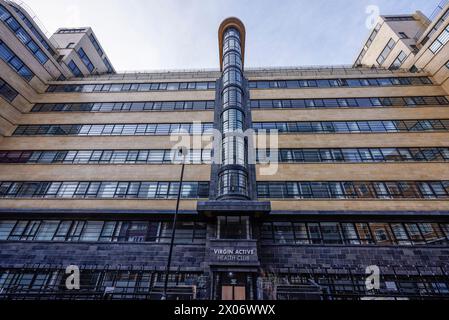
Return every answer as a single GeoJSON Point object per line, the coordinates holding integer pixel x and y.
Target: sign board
{"type": "Point", "coordinates": [232, 254]}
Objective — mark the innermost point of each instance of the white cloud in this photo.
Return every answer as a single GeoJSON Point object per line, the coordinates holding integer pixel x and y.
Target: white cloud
{"type": "Point", "coordinates": [182, 34]}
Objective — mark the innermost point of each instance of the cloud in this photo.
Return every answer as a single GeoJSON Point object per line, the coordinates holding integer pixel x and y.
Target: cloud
{"type": "Point", "coordinates": [182, 34]}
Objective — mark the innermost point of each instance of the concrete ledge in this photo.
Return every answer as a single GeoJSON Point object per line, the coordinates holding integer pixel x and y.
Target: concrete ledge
{"type": "Point", "coordinates": [233, 207]}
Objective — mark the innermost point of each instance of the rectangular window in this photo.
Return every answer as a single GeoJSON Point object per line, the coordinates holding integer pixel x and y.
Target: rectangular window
{"type": "Point", "coordinates": [386, 51]}
{"type": "Point", "coordinates": [233, 228]}
{"type": "Point", "coordinates": [14, 62]}
{"type": "Point", "coordinates": [442, 39]}
{"type": "Point", "coordinates": [96, 45]}
{"type": "Point", "coordinates": [92, 231]}
{"type": "Point", "coordinates": [24, 37]}
{"type": "Point", "coordinates": [85, 59]}
{"type": "Point", "coordinates": [47, 230]}
{"type": "Point", "coordinates": [75, 70]}
{"type": "Point", "coordinates": [6, 228]}
{"type": "Point", "coordinates": [397, 63]}
{"type": "Point", "coordinates": [7, 92]}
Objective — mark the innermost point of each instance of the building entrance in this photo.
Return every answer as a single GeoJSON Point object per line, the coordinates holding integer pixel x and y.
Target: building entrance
{"type": "Point", "coordinates": [233, 286]}
{"type": "Point", "coordinates": [234, 293]}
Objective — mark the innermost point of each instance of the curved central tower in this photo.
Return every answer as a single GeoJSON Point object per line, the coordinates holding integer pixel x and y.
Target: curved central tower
{"type": "Point", "coordinates": [233, 175]}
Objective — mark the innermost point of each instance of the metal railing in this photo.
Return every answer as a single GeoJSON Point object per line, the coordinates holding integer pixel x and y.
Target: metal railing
{"type": "Point", "coordinates": [327, 282]}
{"type": "Point", "coordinates": [432, 17]}
{"type": "Point", "coordinates": [35, 20]}
{"type": "Point", "coordinates": [261, 72]}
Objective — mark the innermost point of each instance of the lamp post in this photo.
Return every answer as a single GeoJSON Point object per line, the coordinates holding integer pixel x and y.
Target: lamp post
{"type": "Point", "coordinates": [181, 152]}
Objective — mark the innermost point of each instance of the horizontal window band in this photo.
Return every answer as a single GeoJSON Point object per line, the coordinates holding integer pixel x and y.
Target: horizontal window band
{"type": "Point", "coordinates": [369, 102]}
{"type": "Point", "coordinates": [167, 156]}
{"type": "Point", "coordinates": [355, 233]}
{"type": "Point", "coordinates": [255, 104]}
{"type": "Point", "coordinates": [356, 155]}
{"type": "Point", "coordinates": [104, 156]}
{"type": "Point", "coordinates": [132, 87]}
{"type": "Point", "coordinates": [113, 129]}
{"type": "Point", "coordinates": [339, 190]}
{"type": "Point", "coordinates": [103, 190]}
{"type": "Point", "coordinates": [351, 190]}
{"type": "Point", "coordinates": [125, 106]}
{"type": "Point", "coordinates": [356, 126]}
{"type": "Point", "coordinates": [296, 232]}
{"type": "Point", "coordinates": [174, 86]}
{"type": "Point", "coordinates": [375, 126]}
{"type": "Point", "coordinates": [341, 82]}
{"type": "Point", "coordinates": [101, 231]}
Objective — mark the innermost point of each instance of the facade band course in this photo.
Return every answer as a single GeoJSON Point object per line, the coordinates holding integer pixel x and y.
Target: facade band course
{"type": "Point", "coordinates": [89, 170]}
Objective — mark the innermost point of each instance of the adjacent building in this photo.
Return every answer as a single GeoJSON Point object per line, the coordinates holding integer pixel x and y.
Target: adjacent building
{"type": "Point", "coordinates": [356, 178]}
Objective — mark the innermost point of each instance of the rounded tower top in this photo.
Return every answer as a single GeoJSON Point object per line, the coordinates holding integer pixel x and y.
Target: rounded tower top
{"type": "Point", "coordinates": [235, 23]}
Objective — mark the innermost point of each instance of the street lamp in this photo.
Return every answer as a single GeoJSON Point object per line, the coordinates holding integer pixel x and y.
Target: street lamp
{"type": "Point", "coordinates": [182, 152]}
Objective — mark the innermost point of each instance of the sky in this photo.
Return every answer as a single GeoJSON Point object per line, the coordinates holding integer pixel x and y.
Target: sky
{"type": "Point", "coordinates": [142, 35]}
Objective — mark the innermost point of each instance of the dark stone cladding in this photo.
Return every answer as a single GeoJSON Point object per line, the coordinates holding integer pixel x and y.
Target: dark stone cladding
{"type": "Point", "coordinates": [113, 255]}
{"type": "Point", "coordinates": [283, 257]}
{"type": "Point", "coordinates": [194, 258]}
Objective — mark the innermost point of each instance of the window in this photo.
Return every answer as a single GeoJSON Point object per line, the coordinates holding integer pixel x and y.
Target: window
{"type": "Point", "coordinates": [331, 233]}
{"type": "Point", "coordinates": [102, 231]}
{"type": "Point", "coordinates": [386, 51]}
{"type": "Point", "coordinates": [397, 63]}
{"type": "Point", "coordinates": [325, 83]}
{"type": "Point", "coordinates": [108, 65]}
{"type": "Point", "coordinates": [72, 30]}
{"type": "Point", "coordinates": [24, 37]}
{"type": "Point", "coordinates": [371, 233]}
{"type": "Point", "coordinates": [85, 59]}
{"type": "Point", "coordinates": [234, 151]}
{"type": "Point", "coordinates": [124, 106]}
{"type": "Point", "coordinates": [91, 231]}
{"type": "Point", "coordinates": [442, 39]}
{"type": "Point", "coordinates": [447, 64]}
{"type": "Point", "coordinates": [354, 126]}
{"type": "Point", "coordinates": [233, 228]}
{"type": "Point", "coordinates": [6, 228]}
{"type": "Point", "coordinates": [102, 190]}
{"type": "Point", "coordinates": [96, 45]}
{"type": "Point", "coordinates": [350, 103]}
{"type": "Point", "coordinates": [352, 190]}
{"type": "Point", "coordinates": [34, 31]}
{"type": "Point", "coordinates": [403, 35]}
{"type": "Point", "coordinates": [233, 182]}
{"type": "Point", "coordinates": [47, 230]}
{"type": "Point", "coordinates": [114, 130]}
{"type": "Point", "coordinates": [232, 120]}
{"type": "Point", "coordinates": [133, 87]}
{"type": "Point", "coordinates": [283, 233]}
{"type": "Point", "coordinates": [75, 70]}
{"type": "Point", "coordinates": [7, 92]}
{"type": "Point", "coordinates": [14, 62]}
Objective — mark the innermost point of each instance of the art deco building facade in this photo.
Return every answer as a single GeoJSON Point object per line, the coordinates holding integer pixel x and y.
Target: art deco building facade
{"type": "Point", "coordinates": [89, 172]}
